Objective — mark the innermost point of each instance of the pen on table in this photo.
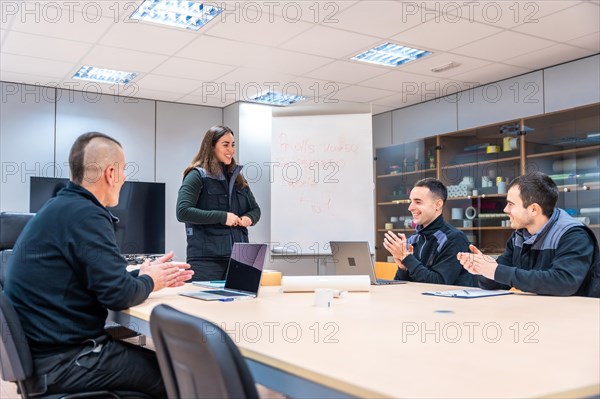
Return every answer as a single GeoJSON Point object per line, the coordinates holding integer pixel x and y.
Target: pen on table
{"type": "Point", "coordinates": [226, 300]}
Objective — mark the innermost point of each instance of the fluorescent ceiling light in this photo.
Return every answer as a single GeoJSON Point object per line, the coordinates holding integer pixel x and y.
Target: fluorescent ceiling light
{"type": "Point", "coordinates": [179, 13]}
{"type": "Point", "coordinates": [273, 98]}
{"type": "Point", "coordinates": [104, 75]}
{"type": "Point", "coordinates": [390, 54]}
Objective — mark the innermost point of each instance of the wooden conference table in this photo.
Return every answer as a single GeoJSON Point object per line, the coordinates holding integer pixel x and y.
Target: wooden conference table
{"type": "Point", "coordinates": [394, 342]}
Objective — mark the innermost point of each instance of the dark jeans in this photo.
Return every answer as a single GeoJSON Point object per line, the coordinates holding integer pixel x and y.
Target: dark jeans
{"type": "Point", "coordinates": [97, 365]}
{"type": "Point", "coordinates": [206, 270]}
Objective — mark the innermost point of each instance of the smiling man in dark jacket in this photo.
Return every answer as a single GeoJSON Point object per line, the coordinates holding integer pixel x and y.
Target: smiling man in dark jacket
{"type": "Point", "coordinates": [550, 252]}
{"type": "Point", "coordinates": [429, 255]}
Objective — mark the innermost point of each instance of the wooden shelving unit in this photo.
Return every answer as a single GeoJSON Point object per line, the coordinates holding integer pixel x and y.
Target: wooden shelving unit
{"type": "Point", "coordinates": [561, 139]}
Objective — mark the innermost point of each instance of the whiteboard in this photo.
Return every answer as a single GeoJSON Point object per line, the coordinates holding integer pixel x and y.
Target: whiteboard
{"type": "Point", "coordinates": [322, 181]}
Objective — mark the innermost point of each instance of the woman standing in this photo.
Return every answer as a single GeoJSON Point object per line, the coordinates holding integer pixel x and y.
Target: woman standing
{"type": "Point", "coordinates": [216, 205]}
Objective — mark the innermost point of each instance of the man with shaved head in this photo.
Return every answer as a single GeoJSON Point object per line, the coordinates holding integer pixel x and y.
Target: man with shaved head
{"type": "Point", "coordinates": [67, 272]}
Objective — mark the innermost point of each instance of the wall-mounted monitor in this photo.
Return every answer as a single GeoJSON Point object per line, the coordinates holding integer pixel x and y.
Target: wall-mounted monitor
{"type": "Point", "coordinates": [141, 212]}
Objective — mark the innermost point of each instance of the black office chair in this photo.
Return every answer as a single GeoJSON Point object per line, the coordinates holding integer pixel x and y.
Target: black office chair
{"type": "Point", "coordinates": [16, 363]}
{"type": "Point", "coordinates": [11, 226]}
{"type": "Point", "coordinates": [197, 358]}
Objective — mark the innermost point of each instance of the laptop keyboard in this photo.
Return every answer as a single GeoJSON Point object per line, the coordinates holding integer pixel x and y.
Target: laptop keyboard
{"type": "Point", "coordinates": [386, 282]}
{"type": "Point", "coordinates": [223, 293]}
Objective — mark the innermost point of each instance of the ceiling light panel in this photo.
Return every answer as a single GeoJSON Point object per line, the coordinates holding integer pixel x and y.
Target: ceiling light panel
{"type": "Point", "coordinates": [189, 15]}
{"type": "Point", "coordinates": [104, 75]}
{"type": "Point", "coordinates": [390, 54]}
{"type": "Point", "coordinates": [274, 98]}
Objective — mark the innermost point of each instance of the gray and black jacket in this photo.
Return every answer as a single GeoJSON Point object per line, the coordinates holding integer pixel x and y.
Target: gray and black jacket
{"type": "Point", "coordinates": [561, 259]}
{"type": "Point", "coordinates": [434, 255]}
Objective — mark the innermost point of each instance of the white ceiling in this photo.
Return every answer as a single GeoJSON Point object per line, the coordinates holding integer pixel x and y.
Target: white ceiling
{"type": "Point", "coordinates": [297, 46]}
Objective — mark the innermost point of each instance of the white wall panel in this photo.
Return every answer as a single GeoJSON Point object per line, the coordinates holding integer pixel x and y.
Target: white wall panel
{"type": "Point", "coordinates": [254, 149]}
{"type": "Point", "coordinates": [26, 141]}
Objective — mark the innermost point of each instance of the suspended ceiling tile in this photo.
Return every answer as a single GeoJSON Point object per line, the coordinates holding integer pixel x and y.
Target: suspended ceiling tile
{"type": "Point", "coordinates": [350, 72]}
{"type": "Point", "coordinates": [329, 42]}
{"type": "Point", "coordinates": [502, 46]}
{"type": "Point", "coordinates": [565, 25]}
{"type": "Point", "coordinates": [44, 47]}
{"type": "Point", "coordinates": [123, 60]}
{"type": "Point", "coordinates": [550, 56]}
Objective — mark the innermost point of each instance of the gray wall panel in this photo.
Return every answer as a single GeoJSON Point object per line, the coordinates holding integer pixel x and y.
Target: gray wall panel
{"type": "Point", "coordinates": [180, 129]}
{"type": "Point", "coordinates": [128, 120]}
{"type": "Point", "coordinates": [424, 120]}
{"type": "Point", "coordinates": [26, 141]}
{"type": "Point", "coordinates": [508, 99]}
{"type": "Point", "coordinates": [382, 130]}
{"type": "Point", "coordinates": [573, 84]}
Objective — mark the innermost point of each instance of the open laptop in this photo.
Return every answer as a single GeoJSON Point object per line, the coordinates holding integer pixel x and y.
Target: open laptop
{"type": "Point", "coordinates": [243, 274]}
{"type": "Point", "coordinates": [354, 258]}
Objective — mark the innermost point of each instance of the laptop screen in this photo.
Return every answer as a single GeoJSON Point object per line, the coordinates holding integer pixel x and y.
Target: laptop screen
{"type": "Point", "coordinates": [352, 258]}
{"type": "Point", "coordinates": [245, 267]}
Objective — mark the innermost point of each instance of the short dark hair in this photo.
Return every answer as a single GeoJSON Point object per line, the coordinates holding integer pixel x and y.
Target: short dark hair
{"type": "Point", "coordinates": [537, 188]}
{"type": "Point", "coordinates": [436, 187]}
{"type": "Point", "coordinates": [76, 156]}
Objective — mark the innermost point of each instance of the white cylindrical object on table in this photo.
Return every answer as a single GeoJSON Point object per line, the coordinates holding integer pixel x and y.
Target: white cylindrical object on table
{"type": "Point", "coordinates": [457, 213]}
{"type": "Point", "coordinates": [589, 211]}
{"type": "Point", "coordinates": [470, 212]}
{"type": "Point", "coordinates": [323, 297]}
{"type": "Point", "coordinates": [311, 283]}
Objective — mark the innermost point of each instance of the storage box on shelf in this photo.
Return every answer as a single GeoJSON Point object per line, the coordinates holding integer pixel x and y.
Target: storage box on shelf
{"type": "Point", "coordinates": [477, 165]}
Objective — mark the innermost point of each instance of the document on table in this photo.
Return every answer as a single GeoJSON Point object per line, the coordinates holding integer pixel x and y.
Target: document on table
{"type": "Point", "coordinates": [468, 293]}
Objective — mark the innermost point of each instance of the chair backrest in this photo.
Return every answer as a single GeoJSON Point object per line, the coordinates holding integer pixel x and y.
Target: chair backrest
{"type": "Point", "coordinates": [5, 255]}
{"type": "Point", "coordinates": [16, 363]}
{"type": "Point", "coordinates": [11, 226]}
{"type": "Point", "coordinates": [197, 358]}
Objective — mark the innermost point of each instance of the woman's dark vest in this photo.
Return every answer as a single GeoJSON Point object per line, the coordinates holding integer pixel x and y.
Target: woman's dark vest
{"type": "Point", "coordinates": [216, 240]}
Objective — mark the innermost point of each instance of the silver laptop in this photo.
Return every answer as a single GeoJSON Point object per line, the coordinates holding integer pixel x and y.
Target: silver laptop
{"type": "Point", "coordinates": [243, 275]}
{"type": "Point", "coordinates": [354, 258]}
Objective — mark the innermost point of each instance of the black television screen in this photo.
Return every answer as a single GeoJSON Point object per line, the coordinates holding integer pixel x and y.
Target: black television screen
{"type": "Point", "coordinates": [141, 212]}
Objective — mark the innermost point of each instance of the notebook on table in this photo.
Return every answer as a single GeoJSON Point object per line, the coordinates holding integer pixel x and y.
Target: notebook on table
{"type": "Point", "coordinates": [354, 258]}
{"type": "Point", "coordinates": [243, 274]}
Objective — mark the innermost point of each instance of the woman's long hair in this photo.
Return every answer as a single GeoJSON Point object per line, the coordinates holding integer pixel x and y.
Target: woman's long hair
{"type": "Point", "coordinates": [205, 158]}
